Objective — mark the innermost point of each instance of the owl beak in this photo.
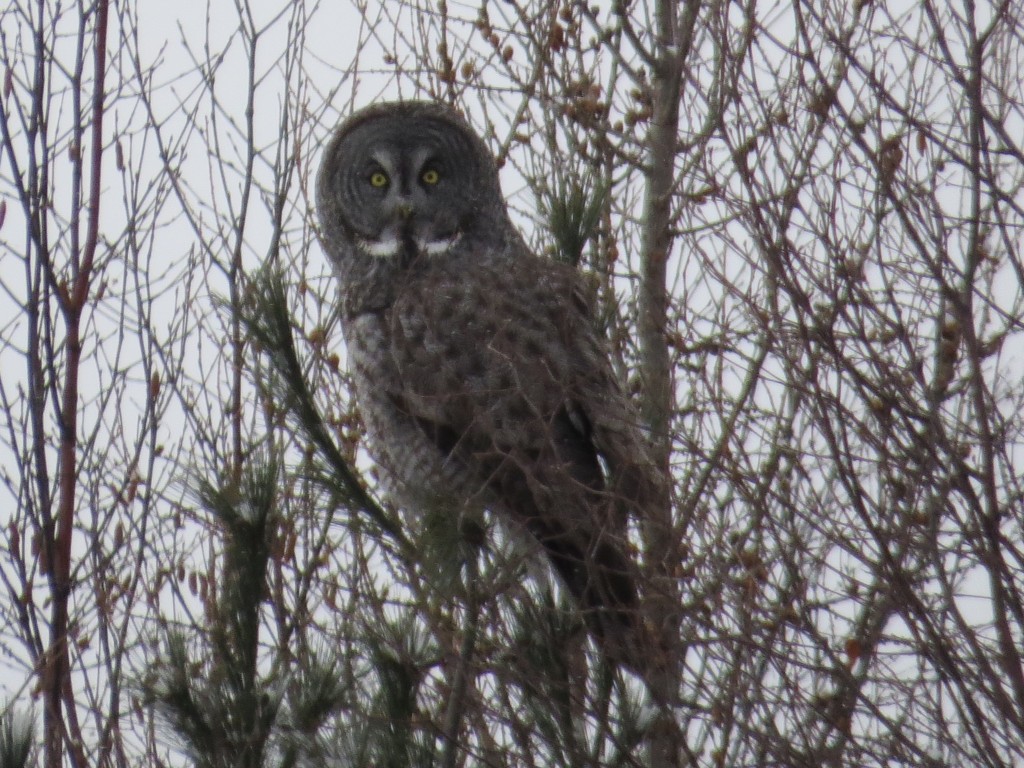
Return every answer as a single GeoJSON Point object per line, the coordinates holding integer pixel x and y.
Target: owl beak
{"type": "Point", "coordinates": [405, 211]}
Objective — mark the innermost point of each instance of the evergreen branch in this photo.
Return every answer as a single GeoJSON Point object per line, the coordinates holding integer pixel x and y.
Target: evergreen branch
{"type": "Point", "coordinates": [16, 739]}
{"type": "Point", "coordinates": [228, 715]}
{"type": "Point", "coordinates": [573, 212]}
{"type": "Point", "coordinates": [460, 682]}
{"type": "Point", "coordinates": [266, 318]}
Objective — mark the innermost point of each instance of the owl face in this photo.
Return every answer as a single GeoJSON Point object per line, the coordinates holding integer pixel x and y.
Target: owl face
{"type": "Point", "coordinates": [405, 180]}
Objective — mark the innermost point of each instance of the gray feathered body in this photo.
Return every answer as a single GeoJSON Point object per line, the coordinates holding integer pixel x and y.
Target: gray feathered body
{"type": "Point", "coordinates": [478, 370]}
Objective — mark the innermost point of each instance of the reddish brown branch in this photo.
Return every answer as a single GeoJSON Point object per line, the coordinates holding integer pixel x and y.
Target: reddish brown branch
{"type": "Point", "coordinates": [57, 677]}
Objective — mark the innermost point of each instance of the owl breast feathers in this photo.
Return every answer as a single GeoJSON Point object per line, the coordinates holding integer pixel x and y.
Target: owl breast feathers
{"type": "Point", "coordinates": [478, 370]}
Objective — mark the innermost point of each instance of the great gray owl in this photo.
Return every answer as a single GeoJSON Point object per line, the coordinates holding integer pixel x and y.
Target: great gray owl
{"type": "Point", "coordinates": [478, 371]}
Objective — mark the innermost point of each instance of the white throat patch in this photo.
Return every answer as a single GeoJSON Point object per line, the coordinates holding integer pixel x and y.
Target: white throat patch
{"type": "Point", "coordinates": [438, 247]}
{"type": "Point", "coordinates": [390, 247]}
{"type": "Point", "coordinates": [381, 249]}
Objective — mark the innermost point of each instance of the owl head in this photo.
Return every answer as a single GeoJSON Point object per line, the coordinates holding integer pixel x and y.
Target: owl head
{"type": "Point", "coordinates": [406, 180]}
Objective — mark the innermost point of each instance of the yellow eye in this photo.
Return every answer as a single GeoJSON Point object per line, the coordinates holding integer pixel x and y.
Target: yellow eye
{"type": "Point", "coordinates": [379, 180]}
{"type": "Point", "coordinates": [430, 176]}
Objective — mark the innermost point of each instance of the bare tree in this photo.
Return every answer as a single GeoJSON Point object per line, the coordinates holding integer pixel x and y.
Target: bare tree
{"type": "Point", "coordinates": [74, 466]}
{"type": "Point", "coordinates": [803, 225]}
{"type": "Point", "coordinates": [123, 377]}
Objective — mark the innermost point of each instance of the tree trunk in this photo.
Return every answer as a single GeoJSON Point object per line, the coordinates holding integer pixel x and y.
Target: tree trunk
{"type": "Point", "coordinates": [674, 35]}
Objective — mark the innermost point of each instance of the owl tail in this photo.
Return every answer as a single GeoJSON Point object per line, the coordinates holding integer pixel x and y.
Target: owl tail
{"type": "Point", "coordinates": [602, 580]}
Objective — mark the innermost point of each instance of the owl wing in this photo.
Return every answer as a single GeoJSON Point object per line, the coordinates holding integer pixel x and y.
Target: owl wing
{"type": "Point", "coordinates": [502, 370]}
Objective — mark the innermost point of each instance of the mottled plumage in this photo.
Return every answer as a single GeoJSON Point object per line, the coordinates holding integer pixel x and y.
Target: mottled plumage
{"type": "Point", "coordinates": [478, 370]}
